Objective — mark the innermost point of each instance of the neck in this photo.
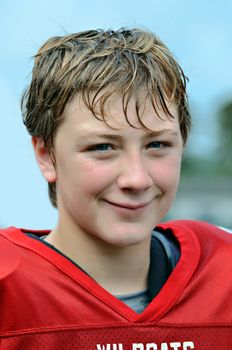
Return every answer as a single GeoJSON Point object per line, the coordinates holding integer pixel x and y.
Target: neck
{"type": "Point", "coordinates": [120, 270]}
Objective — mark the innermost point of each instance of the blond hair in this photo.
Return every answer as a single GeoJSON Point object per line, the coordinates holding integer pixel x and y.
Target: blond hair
{"type": "Point", "coordinates": [98, 64]}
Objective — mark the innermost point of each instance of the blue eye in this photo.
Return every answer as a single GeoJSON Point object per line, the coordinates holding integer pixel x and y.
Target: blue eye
{"type": "Point", "coordinates": [102, 147]}
{"type": "Point", "coordinates": [159, 145]}
{"type": "Point", "coordinates": [155, 144]}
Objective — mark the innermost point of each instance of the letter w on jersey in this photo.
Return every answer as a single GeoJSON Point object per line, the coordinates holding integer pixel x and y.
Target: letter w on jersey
{"type": "Point", "coordinates": [110, 347]}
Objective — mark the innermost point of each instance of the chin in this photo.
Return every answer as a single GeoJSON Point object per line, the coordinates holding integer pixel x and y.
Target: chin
{"type": "Point", "coordinates": [128, 239]}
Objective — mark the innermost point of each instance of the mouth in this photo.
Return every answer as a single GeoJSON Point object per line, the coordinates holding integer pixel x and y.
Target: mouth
{"type": "Point", "coordinates": [133, 207]}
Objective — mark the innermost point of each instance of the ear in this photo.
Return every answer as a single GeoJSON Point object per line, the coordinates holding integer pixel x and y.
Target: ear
{"type": "Point", "coordinates": [44, 160]}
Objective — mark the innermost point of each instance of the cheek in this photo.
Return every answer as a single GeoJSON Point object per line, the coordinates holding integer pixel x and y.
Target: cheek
{"type": "Point", "coordinates": [94, 175]}
{"type": "Point", "coordinates": [167, 173]}
{"type": "Point", "coordinates": [83, 177]}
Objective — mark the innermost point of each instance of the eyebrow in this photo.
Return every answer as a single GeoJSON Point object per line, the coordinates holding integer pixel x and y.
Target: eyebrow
{"type": "Point", "coordinates": [149, 134]}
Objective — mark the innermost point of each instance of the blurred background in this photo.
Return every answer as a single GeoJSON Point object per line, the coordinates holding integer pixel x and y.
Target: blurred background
{"type": "Point", "coordinates": [197, 32]}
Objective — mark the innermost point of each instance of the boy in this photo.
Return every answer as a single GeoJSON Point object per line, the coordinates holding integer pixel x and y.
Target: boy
{"type": "Point", "coordinates": [108, 116]}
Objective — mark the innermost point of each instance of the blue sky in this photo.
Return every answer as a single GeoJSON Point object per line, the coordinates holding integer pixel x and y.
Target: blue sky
{"type": "Point", "coordinates": [198, 33]}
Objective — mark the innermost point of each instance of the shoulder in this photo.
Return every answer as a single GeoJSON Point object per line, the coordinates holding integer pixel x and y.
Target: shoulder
{"type": "Point", "coordinates": [200, 229]}
{"type": "Point", "coordinates": [21, 255]}
{"type": "Point", "coordinates": [9, 253]}
{"type": "Point", "coordinates": [202, 238]}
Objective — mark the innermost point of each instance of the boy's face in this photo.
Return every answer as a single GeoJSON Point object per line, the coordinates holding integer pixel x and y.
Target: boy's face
{"type": "Point", "coordinates": [115, 184]}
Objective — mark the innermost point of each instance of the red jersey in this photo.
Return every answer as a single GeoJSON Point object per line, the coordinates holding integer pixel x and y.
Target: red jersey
{"type": "Point", "coordinates": [48, 303]}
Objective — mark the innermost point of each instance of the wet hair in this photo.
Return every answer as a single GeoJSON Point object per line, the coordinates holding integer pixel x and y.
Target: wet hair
{"type": "Point", "coordinates": [98, 65]}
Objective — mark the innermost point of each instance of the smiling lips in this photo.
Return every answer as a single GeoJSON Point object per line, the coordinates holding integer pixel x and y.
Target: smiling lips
{"type": "Point", "coordinates": [129, 206]}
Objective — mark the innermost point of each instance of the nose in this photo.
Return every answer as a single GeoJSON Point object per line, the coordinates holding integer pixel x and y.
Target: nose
{"type": "Point", "coordinates": [134, 174]}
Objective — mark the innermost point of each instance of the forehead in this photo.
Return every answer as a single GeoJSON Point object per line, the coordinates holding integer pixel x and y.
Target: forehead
{"type": "Point", "coordinates": [114, 115]}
